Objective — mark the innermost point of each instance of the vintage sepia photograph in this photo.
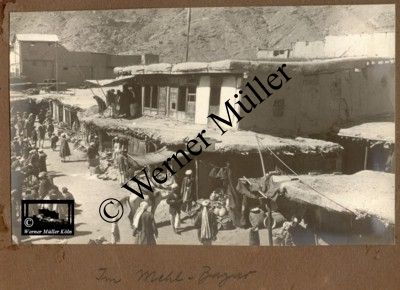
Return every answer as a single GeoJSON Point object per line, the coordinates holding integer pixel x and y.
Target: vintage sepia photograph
{"type": "Point", "coordinates": [234, 126]}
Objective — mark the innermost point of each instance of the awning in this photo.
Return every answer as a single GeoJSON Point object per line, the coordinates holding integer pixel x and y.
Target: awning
{"type": "Point", "coordinates": [369, 192]}
{"type": "Point", "coordinates": [110, 82]}
{"type": "Point", "coordinates": [373, 131]}
{"type": "Point", "coordinates": [251, 187]}
{"type": "Point", "coordinates": [152, 158]}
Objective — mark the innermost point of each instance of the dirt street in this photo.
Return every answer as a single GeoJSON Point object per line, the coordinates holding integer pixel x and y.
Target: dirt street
{"type": "Point", "coordinates": [89, 192]}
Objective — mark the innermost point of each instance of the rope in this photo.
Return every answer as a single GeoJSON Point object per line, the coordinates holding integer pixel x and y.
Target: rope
{"type": "Point", "coordinates": [310, 186]}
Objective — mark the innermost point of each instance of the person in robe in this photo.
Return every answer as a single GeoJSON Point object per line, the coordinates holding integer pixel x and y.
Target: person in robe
{"type": "Point", "coordinates": [175, 204]}
{"type": "Point", "coordinates": [206, 223]}
{"type": "Point", "coordinates": [44, 184]}
{"type": "Point", "coordinates": [92, 158]}
{"type": "Point", "coordinates": [116, 150]}
{"type": "Point", "coordinates": [118, 105]}
{"type": "Point", "coordinates": [53, 141]}
{"type": "Point", "coordinates": [256, 218]}
{"type": "Point", "coordinates": [34, 161]}
{"type": "Point", "coordinates": [123, 166]}
{"type": "Point", "coordinates": [64, 148]}
{"type": "Point", "coordinates": [144, 226]}
{"type": "Point", "coordinates": [34, 137]}
{"type": "Point", "coordinates": [66, 194]}
{"type": "Point", "coordinates": [115, 233]}
{"type": "Point", "coordinates": [187, 191]}
{"type": "Point", "coordinates": [110, 97]}
{"type": "Point", "coordinates": [101, 104]}
{"type": "Point", "coordinates": [41, 116]}
{"type": "Point", "coordinates": [50, 128]}
{"type": "Point", "coordinates": [96, 142]}
{"type": "Point", "coordinates": [42, 161]}
{"type": "Point", "coordinates": [41, 132]}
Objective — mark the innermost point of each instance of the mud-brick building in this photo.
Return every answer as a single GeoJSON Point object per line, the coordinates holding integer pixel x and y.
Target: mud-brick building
{"type": "Point", "coordinates": [368, 146]}
{"type": "Point", "coordinates": [40, 57]}
{"type": "Point", "coordinates": [321, 96]}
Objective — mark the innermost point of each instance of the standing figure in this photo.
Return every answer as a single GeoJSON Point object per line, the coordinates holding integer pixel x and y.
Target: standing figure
{"type": "Point", "coordinates": [287, 230]}
{"type": "Point", "coordinates": [34, 161]}
{"type": "Point", "coordinates": [34, 137]}
{"type": "Point", "coordinates": [133, 103]}
{"type": "Point", "coordinates": [116, 149]}
{"type": "Point", "coordinates": [256, 217]}
{"type": "Point", "coordinates": [187, 191]}
{"type": "Point", "coordinates": [41, 129]}
{"type": "Point", "coordinates": [175, 204]}
{"type": "Point", "coordinates": [144, 226]}
{"type": "Point", "coordinates": [96, 143]}
{"type": "Point", "coordinates": [115, 235]}
{"type": "Point", "coordinates": [50, 128]}
{"type": "Point", "coordinates": [42, 161]}
{"type": "Point", "coordinates": [20, 126]}
{"type": "Point", "coordinates": [118, 99]}
{"type": "Point", "coordinates": [64, 148]}
{"type": "Point", "coordinates": [41, 116]}
{"type": "Point", "coordinates": [207, 225]}
{"type": "Point", "coordinates": [101, 104]}
{"type": "Point", "coordinates": [53, 141]}
{"type": "Point", "coordinates": [66, 194]}
{"type": "Point", "coordinates": [44, 185]}
{"type": "Point", "coordinates": [123, 166]}
{"type": "Point", "coordinates": [92, 158]}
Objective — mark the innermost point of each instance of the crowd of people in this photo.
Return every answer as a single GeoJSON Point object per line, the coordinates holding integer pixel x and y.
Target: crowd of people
{"type": "Point", "coordinates": [29, 177]}
{"type": "Point", "coordinates": [30, 180]}
{"type": "Point", "coordinates": [123, 103]}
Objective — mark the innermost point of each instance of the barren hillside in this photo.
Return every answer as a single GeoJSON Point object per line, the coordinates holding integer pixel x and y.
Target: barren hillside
{"type": "Point", "coordinates": [216, 33]}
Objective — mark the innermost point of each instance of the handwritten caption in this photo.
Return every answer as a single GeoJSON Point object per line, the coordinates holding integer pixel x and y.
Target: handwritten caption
{"type": "Point", "coordinates": [205, 274]}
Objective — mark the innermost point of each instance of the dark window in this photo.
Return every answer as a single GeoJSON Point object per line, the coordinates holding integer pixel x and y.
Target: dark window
{"type": "Point", "coordinates": [65, 68]}
{"type": "Point", "coordinates": [182, 99]}
{"type": "Point", "coordinates": [154, 97]}
{"type": "Point", "coordinates": [278, 108]}
{"type": "Point", "coordinates": [147, 96]}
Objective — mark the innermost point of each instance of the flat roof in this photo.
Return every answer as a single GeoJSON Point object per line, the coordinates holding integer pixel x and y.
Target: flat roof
{"type": "Point", "coordinates": [375, 131]}
{"type": "Point", "coordinates": [370, 192]}
{"type": "Point", "coordinates": [37, 37]}
{"type": "Point", "coordinates": [164, 131]}
{"type": "Point", "coordinates": [239, 66]}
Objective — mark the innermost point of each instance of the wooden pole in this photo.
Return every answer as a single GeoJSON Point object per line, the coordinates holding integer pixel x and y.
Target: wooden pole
{"type": "Point", "coordinates": [189, 15]}
{"type": "Point", "coordinates": [197, 178]}
{"type": "Point", "coordinates": [270, 241]}
{"type": "Point", "coordinates": [366, 157]}
{"type": "Point", "coordinates": [56, 45]}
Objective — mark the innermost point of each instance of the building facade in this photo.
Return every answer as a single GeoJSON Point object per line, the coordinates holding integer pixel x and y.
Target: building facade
{"type": "Point", "coordinates": [40, 57]}
{"type": "Point", "coordinates": [320, 97]}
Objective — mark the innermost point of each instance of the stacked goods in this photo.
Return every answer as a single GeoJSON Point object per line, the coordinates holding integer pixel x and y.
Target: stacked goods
{"type": "Point", "coordinates": [219, 203]}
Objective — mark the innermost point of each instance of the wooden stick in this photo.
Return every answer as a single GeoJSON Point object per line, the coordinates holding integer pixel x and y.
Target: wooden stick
{"type": "Point", "coordinates": [270, 241]}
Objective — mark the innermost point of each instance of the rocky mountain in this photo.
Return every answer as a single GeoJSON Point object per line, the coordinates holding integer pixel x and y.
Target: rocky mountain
{"type": "Point", "coordinates": [216, 33]}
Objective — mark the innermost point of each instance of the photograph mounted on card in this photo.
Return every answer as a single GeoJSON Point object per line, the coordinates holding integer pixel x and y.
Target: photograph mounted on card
{"type": "Point", "coordinates": [231, 126]}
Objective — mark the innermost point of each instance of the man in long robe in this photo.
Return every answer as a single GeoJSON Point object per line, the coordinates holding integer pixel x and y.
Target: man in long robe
{"type": "Point", "coordinates": [206, 223]}
{"type": "Point", "coordinates": [144, 226]}
{"type": "Point", "coordinates": [101, 104]}
{"type": "Point", "coordinates": [64, 148]}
